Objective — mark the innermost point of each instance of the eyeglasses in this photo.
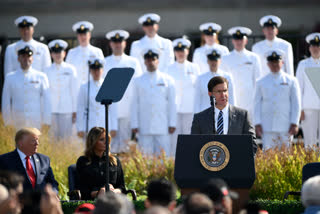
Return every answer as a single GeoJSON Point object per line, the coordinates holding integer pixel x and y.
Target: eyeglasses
{"type": "Point", "coordinates": [221, 91]}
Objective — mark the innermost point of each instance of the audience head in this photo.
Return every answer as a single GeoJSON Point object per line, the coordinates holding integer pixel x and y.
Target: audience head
{"type": "Point", "coordinates": [161, 192]}
{"type": "Point", "coordinates": [218, 191]}
{"type": "Point", "coordinates": [12, 181]}
{"type": "Point", "coordinates": [96, 68]}
{"type": "Point", "coordinates": [113, 203]}
{"type": "Point", "coordinates": [157, 210]}
{"type": "Point", "coordinates": [198, 203]}
{"type": "Point", "coordinates": [213, 59]}
{"type": "Point", "coordinates": [310, 193]}
{"type": "Point", "coordinates": [27, 140]}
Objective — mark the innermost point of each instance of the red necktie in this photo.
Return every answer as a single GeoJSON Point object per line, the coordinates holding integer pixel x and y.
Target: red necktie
{"type": "Point", "coordinates": [30, 172]}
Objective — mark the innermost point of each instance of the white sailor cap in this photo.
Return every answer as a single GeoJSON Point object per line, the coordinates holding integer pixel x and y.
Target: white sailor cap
{"type": "Point", "coordinates": [26, 21]}
{"type": "Point", "coordinates": [270, 21]}
{"type": "Point", "coordinates": [181, 44]}
{"type": "Point", "coordinates": [313, 39]}
{"type": "Point", "coordinates": [149, 19]}
{"type": "Point", "coordinates": [274, 55]}
{"type": "Point", "coordinates": [82, 27]}
{"type": "Point", "coordinates": [151, 53]}
{"type": "Point", "coordinates": [210, 28]}
{"type": "Point", "coordinates": [96, 62]}
{"type": "Point", "coordinates": [213, 54]}
{"type": "Point", "coordinates": [239, 32]}
{"type": "Point", "coordinates": [57, 45]}
{"type": "Point", "coordinates": [24, 48]}
{"type": "Point", "coordinates": [117, 35]}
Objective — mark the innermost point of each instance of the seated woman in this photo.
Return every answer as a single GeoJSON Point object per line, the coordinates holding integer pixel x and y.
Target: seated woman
{"type": "Point", "coordinates": [91, 167]}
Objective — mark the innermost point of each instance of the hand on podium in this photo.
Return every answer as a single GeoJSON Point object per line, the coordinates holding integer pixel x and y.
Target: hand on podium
{"type": "Point", "coordinates": [259, 130]}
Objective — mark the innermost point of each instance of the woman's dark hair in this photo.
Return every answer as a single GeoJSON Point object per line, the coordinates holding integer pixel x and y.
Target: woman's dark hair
{"type": "Point", "coordinates": [216, 81]}
{"type": "Point", "coordinates": [92, 139]}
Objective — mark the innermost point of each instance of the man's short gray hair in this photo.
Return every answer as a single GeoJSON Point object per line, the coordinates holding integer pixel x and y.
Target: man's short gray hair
{"type": "Point", "coordinates": [113, 203]}
{"type": "Point", "coordinates": [310, 193]}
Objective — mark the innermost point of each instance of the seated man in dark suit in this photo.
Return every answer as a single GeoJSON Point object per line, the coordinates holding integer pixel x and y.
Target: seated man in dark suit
{"type": "Point", "coordinates": [24, 160]}
{"type": "Point", "coordinates": [223, 118]}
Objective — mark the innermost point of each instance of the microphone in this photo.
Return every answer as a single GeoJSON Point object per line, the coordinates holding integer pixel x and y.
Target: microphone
{"type": "Point", "coordinates": [212, 100]}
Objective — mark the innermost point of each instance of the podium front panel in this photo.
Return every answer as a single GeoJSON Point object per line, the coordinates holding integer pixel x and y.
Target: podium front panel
{"type": "Point", "coordinates": [239, 172]}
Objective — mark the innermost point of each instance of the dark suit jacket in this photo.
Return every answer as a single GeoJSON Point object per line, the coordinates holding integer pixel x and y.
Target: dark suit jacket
{"type": "Point", "coordinates": [239, 123]}
{"type": "Point", "coordinates": [11, 162]}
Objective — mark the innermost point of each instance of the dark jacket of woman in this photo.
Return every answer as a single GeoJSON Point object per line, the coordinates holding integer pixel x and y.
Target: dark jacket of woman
{"type": "Point", "coordinates": [92, 175]}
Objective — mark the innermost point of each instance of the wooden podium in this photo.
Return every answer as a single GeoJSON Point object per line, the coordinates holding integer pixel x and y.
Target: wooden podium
{"type": "Point", "coordinates": [229, 157]}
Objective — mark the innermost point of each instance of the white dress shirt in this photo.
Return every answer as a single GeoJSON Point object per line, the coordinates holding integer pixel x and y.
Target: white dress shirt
{"type": "Point", "coordinates": [202, 100]}
{"type": "Point", "coordinates": [23, 160]}
{"type": "Point", "coordinates": [164, 45]}
{"type": "Point", "coordinates": [309, 98]}
{"type": "Point", "coordinates": [185, 75]}
{"type": "Point", "coordinates": [153, 105]}
{"type": "Point", "coordinates": [123, 61]}
{"type": "Point", "coordinates": [26, 99]}
{"type": "Point", "coordinates": [41, 56]}
{"type": "Point", "coordinates": [200, 55]}
{"type": "Point", "coordinates": [63, 87]}
{"type": "Point", "coordinates": [264, 46]}
{"type": "Point", "coordinates": [225, 114]}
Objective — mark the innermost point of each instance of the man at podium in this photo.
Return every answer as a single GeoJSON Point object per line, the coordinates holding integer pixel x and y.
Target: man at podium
{"type": "Point", "coordinates": [222, 118]}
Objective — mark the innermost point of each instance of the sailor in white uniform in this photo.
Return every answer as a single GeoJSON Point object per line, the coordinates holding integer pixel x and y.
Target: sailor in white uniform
{"type": "Point", "coordinates": [210, 34]}
{"type": "Point", "coordinates": [277, 104]}
{"type": "Point", "coordinates": [90, 113]}
{"type": "Point", "coordinates": [26, 95]}
{"type": "Point", "coordinates": [119, 59]}
{"type": "Point", "coordinates": [270, 28]}
{"type": "Point", "coordinates": [41, 55]}
{"type": "Point", "coordinates": [150, 26]}
{"type": "Point", "coordinates": [244, 66]}
{"type": "Point", "coordinates": [184, 74]}
{"type": "Point", "coordinates": [201, 99]}
{"type": "Point", "coordinates": [310, 101]}
{"type": "Point", "coordinates": [63, 89]}
{"type": "Point", "coordinates": [153, 111]}
{"type": "Point", "coordinates": [80, 55]}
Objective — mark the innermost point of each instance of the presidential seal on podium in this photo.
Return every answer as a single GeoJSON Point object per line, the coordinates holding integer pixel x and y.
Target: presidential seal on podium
{"type": "Point", "coordinates": [214, 156]}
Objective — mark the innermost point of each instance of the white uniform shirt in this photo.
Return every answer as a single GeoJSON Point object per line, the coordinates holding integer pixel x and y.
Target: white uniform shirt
{"type": "Point", "coordinates": [200, 55]}
{"type": "Point", "coordinates": [264, 46]}
{"type": "Point", "coordinates": [309, 98]}
{"type": "Point", "coordinates": [277, 102]}
{"type": "Point", "coordinates": [245, 69]}
{"type": "Point", "coordinates": [225, 115]}
{"type": "Point", "coordinates": [79, 57]}
{"type": "Point", "coordinates": [202, 100]}
{"type": "Point", "coordinates": [96, 110]}
{"type": "Point", "coordinates": [63, 87]}
{"type": "Point", "coordinates": [185, 76]}
{"type": "Point", "coordinates": [153, 105]}
{"type": "Point", "coordinates": [41, 56]}
{"type": "Point", "coordinates": [122, 62]}
{"type": "Point", "coordinates": [164, 45]}
{"type": "Point", "coordinates": [26, 99]}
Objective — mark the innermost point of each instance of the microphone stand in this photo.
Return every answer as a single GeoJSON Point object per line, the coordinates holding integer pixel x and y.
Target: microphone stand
{"type": "Point", "coordinates": [88, 101]}
{"type": "Point", "coordinates": [213, 102]}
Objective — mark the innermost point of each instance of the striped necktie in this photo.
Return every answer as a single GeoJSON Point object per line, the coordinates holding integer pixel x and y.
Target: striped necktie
{"type": "Point", "coordinates": [220, 123]}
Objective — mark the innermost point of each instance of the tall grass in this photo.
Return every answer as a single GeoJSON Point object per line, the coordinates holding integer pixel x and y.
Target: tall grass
{"type": "Point", "coordinates": [277, 171]}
